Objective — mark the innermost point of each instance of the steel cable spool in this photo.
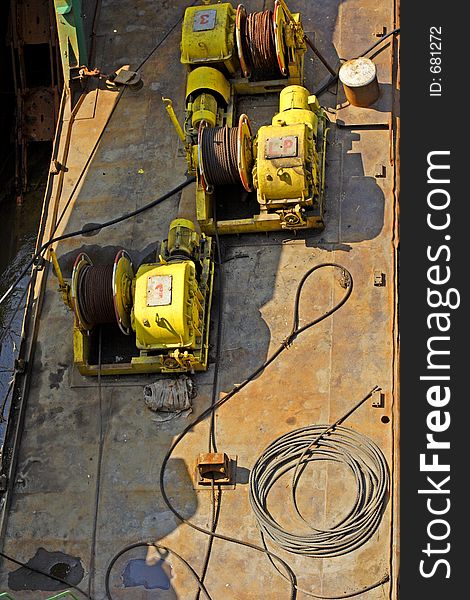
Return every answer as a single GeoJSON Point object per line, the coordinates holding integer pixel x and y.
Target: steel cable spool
{"type": "Point", "coordinates": [101, 294]}
{"type": "Point", "coordinates": [219, 155]}
{"type": "Point", "coordinates": [95, 294]}
{"type": "Point", "coordinates": [256, 45]}
{"type": "Point", "coordinates": [225, 154]}
{"type": "Point", "coordinates": [293, 451]}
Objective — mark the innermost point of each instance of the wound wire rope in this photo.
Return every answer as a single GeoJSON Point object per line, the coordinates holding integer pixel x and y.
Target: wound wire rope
{"type": "Point", "coordinates": [259, 46]}
{"type": "Point", "coordinates": [219, 146]}
{"type": "Point", "coordinates": [299, 466]}
{"type": "Point", "coordinates": [95, 294]}
{"type": "Point", "coordinates": [297, 328]}
{"type": "Point", "coordinates": [341, 445]}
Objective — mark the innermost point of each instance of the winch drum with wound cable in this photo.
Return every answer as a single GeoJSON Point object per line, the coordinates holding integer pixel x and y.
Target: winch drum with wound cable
{"type": "Point", "coordinates": [225, 155]}
{"type": "Point", "coordinates": [165, 305]}
{"type": "Point", "coordinates": [270, 45]}
{"type": "Point", "coordinates": [208, 37]}
{"type": "Point", "coordinates": [258, 47]}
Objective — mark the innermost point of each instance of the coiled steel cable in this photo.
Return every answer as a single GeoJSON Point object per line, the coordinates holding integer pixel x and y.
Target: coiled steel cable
{"type": "Point", "coordinates": [259, 47]}
{"type": "Point", "coordinates": [280, 564]}
{"type": "Point", "coordinates": [319, 443]}
{"type": "Point", "coordinates": [219, 155]}
{"type": "Point", "coordinates": [95, 294]}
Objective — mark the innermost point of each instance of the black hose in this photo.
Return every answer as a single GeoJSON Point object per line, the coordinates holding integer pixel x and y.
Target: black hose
{"type": "Point", "coordinates": [91, 229]}
{"type": "Point", "coordinates": [347, 282]}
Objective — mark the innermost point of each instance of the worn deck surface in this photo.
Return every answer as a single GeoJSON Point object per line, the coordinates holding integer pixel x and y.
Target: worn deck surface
{"type": "Point", "coordinates": [328, 369]}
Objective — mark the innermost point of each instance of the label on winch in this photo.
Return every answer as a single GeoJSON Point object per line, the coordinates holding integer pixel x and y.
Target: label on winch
{"type": "Point", "coordinates": [204, 20]}
{"type": "Point", "coordinates": [159, 290]}
{"type": "Point", "coordinates": [281, 147]}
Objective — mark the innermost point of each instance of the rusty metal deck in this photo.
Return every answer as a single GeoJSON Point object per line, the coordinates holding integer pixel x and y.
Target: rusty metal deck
{"type": "Point", "coordinates": [327, 370]}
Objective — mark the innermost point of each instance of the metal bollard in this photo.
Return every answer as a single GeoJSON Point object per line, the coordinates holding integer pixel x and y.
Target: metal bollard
{"type": "Point", "coordinates": [359, 79]}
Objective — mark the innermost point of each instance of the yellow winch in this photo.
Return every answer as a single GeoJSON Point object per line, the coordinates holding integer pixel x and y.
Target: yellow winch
{"type": "Point", "coordinates": [289, 171]}
{"type": "Point", "coordinates": [275, 181]}
{"type": "Point", "coordinates": [230, 53]}
{"type": "Point", "coordinates": [281, 170]}
{"type": "Point", "coordinates": [163, 309]}
{"type": "Point", "coordinates": [258, 47]}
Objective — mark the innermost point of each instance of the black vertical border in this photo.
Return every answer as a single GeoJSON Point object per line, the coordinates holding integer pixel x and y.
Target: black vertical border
{"type": "Point", "coordinates": [432, 124]}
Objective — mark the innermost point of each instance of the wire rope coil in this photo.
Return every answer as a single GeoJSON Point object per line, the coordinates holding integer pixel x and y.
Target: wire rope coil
{"type": "Point", "coordinates": [92, 293]}
{"type": "Point", "coordinates": [293, 451]}
{"type": "Point", "coordinates": [225, 154]}
{"type": "Point", "coordinates": [256, 44]}
{"type": "Point", "coordinates": [219, 147]}
{"type": "Point", "coordinates": [95, 294]}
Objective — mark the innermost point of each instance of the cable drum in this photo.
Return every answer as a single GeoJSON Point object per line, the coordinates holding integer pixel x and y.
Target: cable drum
{"type": "Point", "coordinates": [256, 45]}
{"type": "Point", "coordinates": [95, 294]}
{"type": "Point", "coordinates": [219, 151]}
{"type": "Point", "coordinates": [292, 452]}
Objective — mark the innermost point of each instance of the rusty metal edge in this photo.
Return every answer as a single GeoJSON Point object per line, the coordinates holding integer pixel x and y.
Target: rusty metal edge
{"type": "Point", "coordinates": [29, 331]}
{"type": "Point", "coordinates": [395, 159]}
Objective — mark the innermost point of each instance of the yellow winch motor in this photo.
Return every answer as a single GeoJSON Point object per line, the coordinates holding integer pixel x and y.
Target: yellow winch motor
{"type": "Point", "coordinates": [208, 37]}
{"type": "Point", "coordinates": [208, 103]}
{"type": "Point", "coordinates": [289, 171]}
{"type": "Point", "coordinates": [164, 308]}
{"type": "Point", "coordinates": [168, 311]}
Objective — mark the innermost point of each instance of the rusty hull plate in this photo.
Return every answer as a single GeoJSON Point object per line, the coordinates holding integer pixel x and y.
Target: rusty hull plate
{"type": "Point", "coordinates": [39, 110]}
{"type": "Point", "coordinates": [322, 375]}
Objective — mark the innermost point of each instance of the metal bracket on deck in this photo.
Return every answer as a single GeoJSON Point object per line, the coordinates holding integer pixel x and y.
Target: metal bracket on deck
{"type": "Point", "coordinates": [379, 278]}
{"type": "Point", "coordinates": [216, 467]}
{"type": "Point", "coordinates": [379, 401]}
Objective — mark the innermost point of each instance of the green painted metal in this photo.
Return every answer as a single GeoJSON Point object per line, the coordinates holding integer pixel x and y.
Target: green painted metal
{"type": "Point", "coordinates": [71, 33]}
